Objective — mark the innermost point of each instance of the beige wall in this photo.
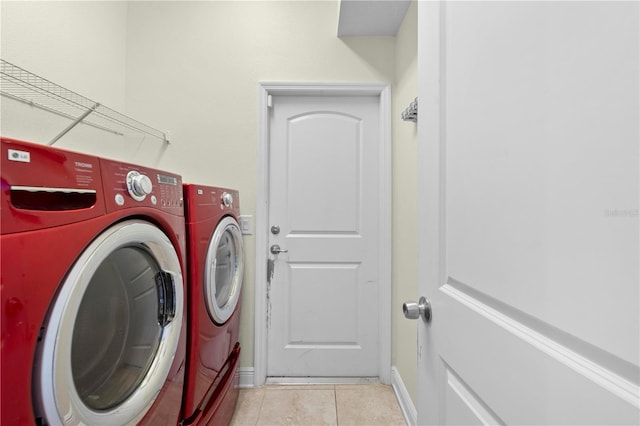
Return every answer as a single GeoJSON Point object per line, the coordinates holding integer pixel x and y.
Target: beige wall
{"type": "Point", "coordinates": [193, 68]}
{"type": "Point", "coordinates": [79, 45]}
{"type": "Point", "coordinates": [196, 68]}
{"type": "Point", "coordinates": [405, 210]}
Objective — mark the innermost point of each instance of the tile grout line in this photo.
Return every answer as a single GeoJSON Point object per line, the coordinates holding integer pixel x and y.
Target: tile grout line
{"type": "Point", "coordinates": [264, 394]}
{"type": "Point", "coordinates": [335, 403]}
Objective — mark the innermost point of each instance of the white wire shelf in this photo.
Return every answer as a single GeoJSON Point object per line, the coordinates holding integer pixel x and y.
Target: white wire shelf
{"type": "Point", "coordinates": [24, 86]}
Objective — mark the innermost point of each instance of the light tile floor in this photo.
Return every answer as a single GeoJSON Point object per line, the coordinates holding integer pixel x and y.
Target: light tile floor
{"type": "Point", "coordinates": [366, 404]}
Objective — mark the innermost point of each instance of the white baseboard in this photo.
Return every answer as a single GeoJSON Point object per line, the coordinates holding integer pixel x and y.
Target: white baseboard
{"type": "Point", "coordinates": [406, 404]}
{"type": "Point", "coordinates": [322, 380]}
{"type": "Point", "coordinates": [245, 375]}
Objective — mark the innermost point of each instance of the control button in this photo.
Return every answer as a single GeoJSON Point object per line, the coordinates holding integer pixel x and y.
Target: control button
{"type": "Point", "coordinates": [119, 199]}
{"type": "Point", "coordinates": [154, 200]}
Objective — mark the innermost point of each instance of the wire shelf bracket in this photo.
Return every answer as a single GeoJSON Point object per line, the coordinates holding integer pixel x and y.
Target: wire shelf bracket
{"type": "Point", "coordinates": [19, 84]}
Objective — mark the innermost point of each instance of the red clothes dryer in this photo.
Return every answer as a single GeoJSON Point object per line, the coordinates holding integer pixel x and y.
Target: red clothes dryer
{"type": "Point", "coordinates": [92, 290]}
{"type": "Point", "coordinates": [215, 258]}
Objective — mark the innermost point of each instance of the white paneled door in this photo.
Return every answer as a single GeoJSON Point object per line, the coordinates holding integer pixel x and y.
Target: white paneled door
{"type": "Point", "coordinates": [529, 171]}
{"type": "Point", "coordinates": [324, 196]}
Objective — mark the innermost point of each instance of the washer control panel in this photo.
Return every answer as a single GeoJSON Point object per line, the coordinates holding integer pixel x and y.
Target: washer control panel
{"type": "Point", "coordinates": [127, 185]}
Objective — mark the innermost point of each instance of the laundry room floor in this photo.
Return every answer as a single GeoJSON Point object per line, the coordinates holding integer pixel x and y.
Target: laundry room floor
{"type": "Point", "coordinates": [365, 404]}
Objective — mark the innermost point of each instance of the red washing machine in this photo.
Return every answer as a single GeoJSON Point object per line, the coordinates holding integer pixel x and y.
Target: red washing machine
{"type": "Point", "coordinates": [93, 293]}
{"type": "Point", "coordinates": [215, 258]}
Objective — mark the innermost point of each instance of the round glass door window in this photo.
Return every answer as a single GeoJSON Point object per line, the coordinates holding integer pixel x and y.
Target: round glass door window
{"type": "Point", "coordinates": [116, 335]}
{"type": "Point", "coordinates": [224, 269]}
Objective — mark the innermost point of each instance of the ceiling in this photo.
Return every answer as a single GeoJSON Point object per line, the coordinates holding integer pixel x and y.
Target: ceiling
{"type": "Point", "coordinates": [371, 17]}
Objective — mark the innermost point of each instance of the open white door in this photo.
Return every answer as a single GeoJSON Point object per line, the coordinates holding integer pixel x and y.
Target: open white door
{"type": "Point", "coordinates": [529, 125]}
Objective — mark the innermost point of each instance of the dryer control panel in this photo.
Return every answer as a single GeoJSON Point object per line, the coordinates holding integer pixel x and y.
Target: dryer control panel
{"type": "Point", "coordinates": [128, 185]}
{"type": "Point", "coordinates": [203, 200]}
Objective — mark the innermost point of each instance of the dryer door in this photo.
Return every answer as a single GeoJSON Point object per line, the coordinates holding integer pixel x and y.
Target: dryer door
{"type": "Point", "coordinates": [113, 330]}
{"type": "Point", "coordinates": [223, 270]}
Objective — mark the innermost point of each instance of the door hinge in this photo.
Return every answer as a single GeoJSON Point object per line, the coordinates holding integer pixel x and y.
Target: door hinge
{"type": "Point", "coordinates": [269, 101]}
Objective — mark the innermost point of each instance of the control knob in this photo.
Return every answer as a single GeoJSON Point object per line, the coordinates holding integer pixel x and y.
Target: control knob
{"type": "Point", "coordinates": [138, 185]}
{"type": "Point", "coordinates": [227, 199]}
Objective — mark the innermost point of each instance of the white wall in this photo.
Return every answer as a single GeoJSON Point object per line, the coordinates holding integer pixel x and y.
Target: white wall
{"type": "Point", "coordinates": [193, 68]}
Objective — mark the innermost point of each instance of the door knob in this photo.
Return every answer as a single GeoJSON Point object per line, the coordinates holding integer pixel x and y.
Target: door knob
{"type": "Point", "coordinates": [413, 310]}
{"type": "Point", "coordinates": [275, 249]}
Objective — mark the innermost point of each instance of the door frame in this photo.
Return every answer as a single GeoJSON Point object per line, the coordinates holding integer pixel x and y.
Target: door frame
{"type": "Point", "coordinates": [383, 311]}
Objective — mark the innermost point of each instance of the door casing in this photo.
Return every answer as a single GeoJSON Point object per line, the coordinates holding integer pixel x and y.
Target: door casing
{"type": "Point", "coordinates": [383, 310]}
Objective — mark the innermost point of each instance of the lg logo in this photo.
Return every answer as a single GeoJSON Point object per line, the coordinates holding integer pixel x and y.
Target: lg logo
{"type": "Point", "coordinates": [22, 156]}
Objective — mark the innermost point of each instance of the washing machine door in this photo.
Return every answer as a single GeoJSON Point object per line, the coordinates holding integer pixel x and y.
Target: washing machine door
{"type": "Point", "coordinates": [113, 330]}
{"type": "Point", "coordinates": [223, 270]}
